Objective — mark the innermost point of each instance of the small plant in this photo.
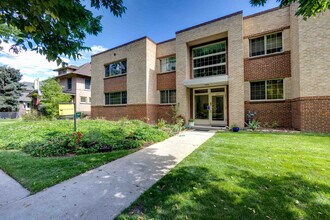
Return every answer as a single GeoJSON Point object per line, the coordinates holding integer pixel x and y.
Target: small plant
{"type": "Point", "coordinates": [254, 125]}
{"type": "Point", "coordinates": [33, 116]}
{"type": "Point", "coordinates": [274, 124]}
{"type": "Point", "coordinates": [266, 124]}
{"type": "Point", "coordinates": [191, 123]}
{"type": "Point", "coordinates": [161, 123]}
{"type": "Point", "coordinates": [250, 116]}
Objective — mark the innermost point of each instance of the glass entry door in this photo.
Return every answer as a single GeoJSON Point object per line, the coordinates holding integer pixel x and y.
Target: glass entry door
{"type": "Point", "coordinates": [210, 106]}
{"type": "Point", "coordinates": [218, 111]}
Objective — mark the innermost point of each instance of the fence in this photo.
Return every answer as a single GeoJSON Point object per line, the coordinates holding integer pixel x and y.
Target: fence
{"type": "Point", "coordinates": [7, 115]}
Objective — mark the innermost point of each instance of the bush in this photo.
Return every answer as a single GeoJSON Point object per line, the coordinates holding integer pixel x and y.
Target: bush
{"type": "Point", "coordinates": [254, 125]}
{"type": "Point", "coordinates": [33, 116]}
{"type": "Point", "coordinates": [57, 146]}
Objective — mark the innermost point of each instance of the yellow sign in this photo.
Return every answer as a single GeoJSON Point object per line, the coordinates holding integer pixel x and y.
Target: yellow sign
{"type": "Point", "coordinates": [66, 109]}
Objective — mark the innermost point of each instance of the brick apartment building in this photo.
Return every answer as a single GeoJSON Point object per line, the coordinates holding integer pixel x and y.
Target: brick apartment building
{"type": "Point", "coordinates": [272, 63]}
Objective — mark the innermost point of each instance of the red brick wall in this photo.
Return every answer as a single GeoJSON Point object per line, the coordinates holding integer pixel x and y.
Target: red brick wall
{"type": "Point", "coordinates": [166, 81]}
{"type": "Point", "coordinates": [115, 84]}
{"type": "Point", "coordinates": [267, 67]}
{"type": "Point", "coordinates": [311, 113]}
{"type": "Point", "coordinates": [150, 113]}
{"type": "Point", "coordinates": [277, 111]}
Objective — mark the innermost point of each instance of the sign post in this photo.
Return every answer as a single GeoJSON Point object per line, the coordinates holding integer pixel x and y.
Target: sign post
{"type": "Point", "coordinates": [68, 109]}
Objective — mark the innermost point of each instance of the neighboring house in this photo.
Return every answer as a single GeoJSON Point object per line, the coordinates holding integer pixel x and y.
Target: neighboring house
{"type": "Point", "coordinates": [25, 102]}
{"type": "Point", "coordinates": [272, 63]}
{"type": "Point", "coordinates": [76, 81]}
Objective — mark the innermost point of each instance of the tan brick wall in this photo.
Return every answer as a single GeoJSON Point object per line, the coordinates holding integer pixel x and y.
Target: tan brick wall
{"type": "Point", "coordinates": [267, 67]}
{"type": "Point", "coordinates": [151, 76]}
{"type": "Point", "coordinates": [135, 53]}
{"type": "Point", "coordinates": [230, 27]}
{"type": "Point", "coordinates": [166, 81]}
{"type": "Point", "coordinates": [115, 84]}
{"type": "Point", "coordinates": [165, 49]}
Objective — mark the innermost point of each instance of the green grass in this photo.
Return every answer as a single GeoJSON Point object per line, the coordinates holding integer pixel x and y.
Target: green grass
{"type": "Point", "coordinates": [36, 174]}
{"type": "Point", "coordinates": [244, 176]}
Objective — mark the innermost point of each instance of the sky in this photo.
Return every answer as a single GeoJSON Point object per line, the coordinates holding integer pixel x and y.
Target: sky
{"type": "Point", "coordinates": [157, 19]}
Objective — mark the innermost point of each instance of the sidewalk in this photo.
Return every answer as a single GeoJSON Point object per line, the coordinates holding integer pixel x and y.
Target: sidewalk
{"type": "Point", "coordinates": [10, 190]}
{"type": "Point", "coordinates": [103, 193]}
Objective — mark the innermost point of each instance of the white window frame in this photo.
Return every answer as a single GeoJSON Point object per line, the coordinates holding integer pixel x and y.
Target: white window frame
{"type": "Point", "coordinates": [121, 98]}
{"type": "Point", "coordinates": [168, 97]}
{"type": "Point", "coordinates": [266, 99]}
{"type": "Point", "coordinates": [209, 55]}
{"type": "Point", "coordinates": [122, 74]}
{"type": "Point", "coordinates": [82, 101]}
{"type": "Point", "coordinates": [163, 59]}
{"type": "Point", "coordinates": [265, 44]}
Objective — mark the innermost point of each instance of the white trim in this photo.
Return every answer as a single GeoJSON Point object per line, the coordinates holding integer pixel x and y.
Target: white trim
{"type": "Point", "coordinates": [265, 43]}
{"type": "Point", "coordinates": [266, 100]}
{"type": "Point", "coordinates": [223, 41]}
{"type": "Point", "coordinates": [203, 67]}
{"type": "Point", "coordinates": [209, 55]}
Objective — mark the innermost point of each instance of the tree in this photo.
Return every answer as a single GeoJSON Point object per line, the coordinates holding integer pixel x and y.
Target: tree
{"type": "Point", "coordinates": [52, 95]}
{"type": "Point", "coordinates": [10, 89]}
{"type": "Point", "coordinates": [306, 8]}
{"type": "Point", "coordinates": [52, 28]}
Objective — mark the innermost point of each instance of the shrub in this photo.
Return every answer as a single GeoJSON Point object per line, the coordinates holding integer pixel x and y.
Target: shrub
{"type": "Point", "coordinates": [274, 124]}
{"type": "Point", "coordinates": [254, 125]}
{"type": "Point", "coordinates": [57, 146]}
{"type": "Point", "coordinates": [33, 116]}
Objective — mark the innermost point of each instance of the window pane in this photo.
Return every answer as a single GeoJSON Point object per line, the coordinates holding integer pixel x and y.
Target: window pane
{"type": "Point", "coordinates": [257, 90]}
{"type": "Point", "coordinates": [210, 60]}
{"type": "Point", "coordinates": [209, 49]}
{"type": "Point", "coordinates": [163, 96]}
{"type": "Point", "coordinates": [87, 83]}
{"type": "Point", "coordinates": [168, 64]}
{"type": "Point", "coordinates": [115, 98]}
{"type": "Point", "coordinates": [69, 83]}
{"type": "Point", "coordinates": [210, 71]}
{"type": "Point", "coordinates": [115, 69]}
{"type": "Point", "coordinates": [124, 98]}
{"type": "Point", "coordinates": [257, 46]}
{"type": "Point", "coordinates": [275, 89]}
{"type": "Point", "coordinates": [107, 98]}
{"type": "Point", "coordinates": [172, 96]}
{"type": "Point", "coordinates": [274, 43]}
{"type": "Point", "coordinates": [83, 99]}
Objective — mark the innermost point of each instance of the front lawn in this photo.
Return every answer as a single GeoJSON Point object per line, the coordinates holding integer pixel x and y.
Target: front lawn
{"type": "Point", "coordinates": [38, 138]}
{"type": "Point", "coordinates": [244, 176]}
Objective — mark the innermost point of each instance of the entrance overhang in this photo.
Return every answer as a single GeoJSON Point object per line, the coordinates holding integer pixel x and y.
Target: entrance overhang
{"type": "Point", "coordinates": [220, 80]}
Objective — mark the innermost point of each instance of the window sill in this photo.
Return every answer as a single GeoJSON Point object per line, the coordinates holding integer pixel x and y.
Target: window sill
{"type": "Point", "coordinates": [85, 103]}
{"type": "Point", "coordinates": [108, 77]}
{"type": "Point", "coordinates": [266, 55]}
{"type": "Point", "coordinates": [174, 71]}
{"type": "Point", "coordinates": [167, 104]}
{"type": "Point", "coordinates": [116, 105]}
{"type": "Point", "coordinates": [267, 101]}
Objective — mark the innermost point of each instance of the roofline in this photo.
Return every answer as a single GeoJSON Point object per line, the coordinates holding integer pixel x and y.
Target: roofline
{"type": "Point", "coordinates": [165, 41]}
{"type": "Point", "coordinates": [70, 74]}
{"type": "Point", "coordinates": [125, 44]}
{"type": "Point", "coordinates": [264, 12]}
{"type": "Point", "coordinates": [211, 21]}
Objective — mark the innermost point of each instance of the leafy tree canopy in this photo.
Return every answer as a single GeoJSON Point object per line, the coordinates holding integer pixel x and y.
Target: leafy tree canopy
{"type": "Point", "coordinates": [10, 89]}
{"type": "Point", "coordinates": [306, 8]}
{"type": "Point", "coordinates": [52, 28]}
{"type": "Point", "coordinates": [52, 95]}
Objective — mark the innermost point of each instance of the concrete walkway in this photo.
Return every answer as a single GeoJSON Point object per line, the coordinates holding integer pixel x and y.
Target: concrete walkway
{"type": "Point", "coordinates": [10, 190]}
{"type": "Point", "coordinates": [103, 193]}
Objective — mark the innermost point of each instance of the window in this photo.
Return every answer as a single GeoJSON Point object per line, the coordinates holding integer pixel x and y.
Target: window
{"type": "Point", "coordinates": [167, 64]}
{"type": "Point", "coordinates": [69, 83]}
{"type": "Point", "coordinates": [267, 44]}
{"type": "Point", "coordinates": [116, 69]}
{"type": "Point", "coordinates": [209, 60]}
{"type": "Point", "coordinates": [267, 90]}
{"type": "Point", "coordinates": [83, 99]}
{"type": "Point", "coordinates": [167, 96]}
{"type": "Point", "coordinates": [116, 98]}
{"type": "Point", "coordinates": [90, 100]}
{"type": "Point", "coordinates": [88, 83]}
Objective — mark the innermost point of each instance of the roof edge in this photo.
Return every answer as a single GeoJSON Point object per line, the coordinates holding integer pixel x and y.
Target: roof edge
{"type": "Point", "coordinates": [125, 44]}
{"type": "Point", "coordinates": [264, 12]}
{"type": "Point", "coordinates": [209, 22]}
{"type": "Point", "coordinates": [165, 41]}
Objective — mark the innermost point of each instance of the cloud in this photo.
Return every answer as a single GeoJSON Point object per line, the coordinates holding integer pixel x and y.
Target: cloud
{"type": "Point", "coordinates": [33, 65]}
